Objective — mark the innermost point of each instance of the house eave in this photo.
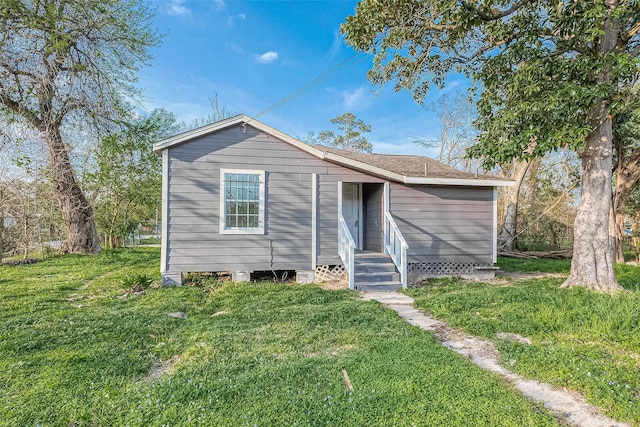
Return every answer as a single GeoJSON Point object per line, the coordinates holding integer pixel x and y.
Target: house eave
{"type": "Point", "coordinates": [467, 182]}
{"type": "Point", "coordinates": [363, 167]}
{"type": "Point", "coordinates": [242, 119]}
{"type": "Point", "coordinates": [180, 138]}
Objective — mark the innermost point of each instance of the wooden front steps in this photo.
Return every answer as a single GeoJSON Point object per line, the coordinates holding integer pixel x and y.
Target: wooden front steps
{"type": "Point", "coordinates": [375, 272]}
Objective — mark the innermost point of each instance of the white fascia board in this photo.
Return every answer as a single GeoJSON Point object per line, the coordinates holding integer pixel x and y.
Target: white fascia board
{"type": "Point", "coordinates": [467, 182]}
{"type": "Point", "coordinates": [234, 121]}
{"type": "Point", "coordinates": [354, 164]}
{"type": "Point", "coordinates": [195, 133]}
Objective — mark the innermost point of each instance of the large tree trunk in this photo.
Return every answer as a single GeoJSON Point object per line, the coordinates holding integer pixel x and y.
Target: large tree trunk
{"type": "Point", "coordinates": [509, 228]}
{"type": "Point", "coordinates": [82, 236]}
{"type": "Point", "coordinates": [616, 233]}
{"type": "Point", "coordinates": [592, 262]}
{"type": "Point", "coordinates": [627, 174]}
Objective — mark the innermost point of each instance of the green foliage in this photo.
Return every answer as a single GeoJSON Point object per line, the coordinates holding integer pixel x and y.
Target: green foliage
{"type": "Point", "coordinates": [582, 340]}
{"type": "Point", "coordinates": [201, 280]}
{"type": "Point", "coordinates": [350, 137]}
{"type": "Point", "coordinates": [73, 350]}
{"type": "Point", "coordinates": [76, 59]}
{"type": "Point", "coordinates": [127, 191]}
{"type": "Point", "coordinates": [626, 145]}
{"type": "Point", "coordinates": [68, 69]}
{"type": "Point", "coordinates": [543, 65]}
{"type": "Point", "coordinates": [137, 280]}
{"type": "Point", "coordinates": [547, 204]}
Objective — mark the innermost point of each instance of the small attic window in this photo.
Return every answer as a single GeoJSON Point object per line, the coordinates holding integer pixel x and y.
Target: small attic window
{"type": "Point", "coordinates": [242, 201]}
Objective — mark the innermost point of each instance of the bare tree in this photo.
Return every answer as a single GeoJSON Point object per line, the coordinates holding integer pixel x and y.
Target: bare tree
{"type": "Point", "coordinates": [218, 112]}
{"type": "Point", "coordinates": [626, 169]}
{"type": "Point", "coordinates": [457, 133]}
{"type": "Point", "coordinates": [69, 63]}
{"type": "Point", "coordinates": [516, 171]}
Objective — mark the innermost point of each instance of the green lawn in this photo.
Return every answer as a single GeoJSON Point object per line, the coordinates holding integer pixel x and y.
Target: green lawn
{"type": "Point", "coordinates": [586, 341]}
{"type": "Point", "coordinates": [75, 348]}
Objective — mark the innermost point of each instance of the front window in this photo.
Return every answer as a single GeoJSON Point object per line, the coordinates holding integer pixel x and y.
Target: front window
{"type": "Point", "coordinates": [242, 201]}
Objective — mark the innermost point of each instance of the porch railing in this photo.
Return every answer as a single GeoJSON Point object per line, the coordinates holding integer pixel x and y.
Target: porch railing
{"type": "Point", "coordinates": [346, 248]}
{"type": "Point", "coordinates": [396, 247]}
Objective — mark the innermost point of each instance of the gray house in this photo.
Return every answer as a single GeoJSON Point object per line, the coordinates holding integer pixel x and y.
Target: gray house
{"type": "Point", "coordinates": [240, 196]}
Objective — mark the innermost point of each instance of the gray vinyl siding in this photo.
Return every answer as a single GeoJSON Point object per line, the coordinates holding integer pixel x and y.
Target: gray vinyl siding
{"type": "Point", "coordinates": [445, 224]}
{"type": "Point", "coordinates": [195, 242]}
{"type": "Point", "coordinates": [440, 223]}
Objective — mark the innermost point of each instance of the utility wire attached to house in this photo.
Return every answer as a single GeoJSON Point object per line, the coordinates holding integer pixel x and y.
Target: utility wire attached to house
{"type": "Point", "coordinates": [350, 62]}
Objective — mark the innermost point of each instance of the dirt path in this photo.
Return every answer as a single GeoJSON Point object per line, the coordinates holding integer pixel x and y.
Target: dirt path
{"type": "Point", "coordinates": [568, 407]}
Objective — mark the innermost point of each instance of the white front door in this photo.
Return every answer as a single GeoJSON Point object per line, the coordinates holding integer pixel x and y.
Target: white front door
{"type": "Point", "coordinates": [351, 209]}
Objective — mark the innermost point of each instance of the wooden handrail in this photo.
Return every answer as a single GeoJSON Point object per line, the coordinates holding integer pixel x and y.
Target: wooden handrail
{"type": "Point", "coordinates": [346, 249]}
{"type": "Point", "coordinates": [396, 247]}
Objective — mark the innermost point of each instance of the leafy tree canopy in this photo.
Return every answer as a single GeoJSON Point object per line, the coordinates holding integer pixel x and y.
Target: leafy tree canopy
{"type": "Point", "coordinates": [64, 60]}
{"type": "Point", "coordinates": [543, 64]}
{"type": "Point", "coordinates": [126, 180]}
{"type": "Point", "coordinates": [351, 136]}
{"type": "Point", "coordinates": [67, 65]}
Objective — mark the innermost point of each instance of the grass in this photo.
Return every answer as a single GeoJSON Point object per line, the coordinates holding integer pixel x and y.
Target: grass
{"type": "Point", "coordinates": [150, 241]}
{"type": "Point", "coordinates": [77, 349]}
{"type": "Point", "coordinates": [586, 341]}
{"type": "Point", "coordinates": [534, 265]}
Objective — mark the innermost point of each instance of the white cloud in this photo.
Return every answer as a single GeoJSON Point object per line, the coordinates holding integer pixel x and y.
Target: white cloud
{"type": "Point", "coordinates": [232, 19]}
{"type": "Point", "coordinates": [176, 8]}
{"type": "Point", "coordinates": [267, 57]}
{"type": "Point", "coordinates": [335, 47]}
{"type": "Point", "coordinates": [353, 99]}
{"type": "Point", "coordinates": [234, 47]}
{"type": "Point", "coordinates": [220, 4]}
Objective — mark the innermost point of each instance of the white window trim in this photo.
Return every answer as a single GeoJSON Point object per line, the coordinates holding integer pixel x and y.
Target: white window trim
{"type": "Point", "coordinates": [261, 207]}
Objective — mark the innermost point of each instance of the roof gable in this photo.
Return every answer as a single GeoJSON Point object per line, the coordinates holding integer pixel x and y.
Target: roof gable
{"type": "Point", "coordinates": [406, 169]}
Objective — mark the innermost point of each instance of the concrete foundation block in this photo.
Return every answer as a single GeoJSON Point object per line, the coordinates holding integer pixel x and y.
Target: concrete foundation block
{"type": "Point", "coordinates": [305, 276]}
{"type": "Point", "coordinates": [171, 279]}
{"type": "Point", "coordinates": [241, 276]}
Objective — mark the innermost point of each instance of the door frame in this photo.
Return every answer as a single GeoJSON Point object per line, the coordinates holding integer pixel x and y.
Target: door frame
{"type": "Point", "coordinates": [360, 210]}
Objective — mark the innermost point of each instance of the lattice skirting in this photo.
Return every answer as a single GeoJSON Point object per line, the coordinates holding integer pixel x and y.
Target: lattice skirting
{"type": "Point", "coordinates": [418, 271]}
{"type": "Point", "coordinates": [330, 273]}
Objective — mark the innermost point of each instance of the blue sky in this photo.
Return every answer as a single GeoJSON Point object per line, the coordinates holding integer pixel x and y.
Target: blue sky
{"type": "Point", "coordinates": [255, 53]}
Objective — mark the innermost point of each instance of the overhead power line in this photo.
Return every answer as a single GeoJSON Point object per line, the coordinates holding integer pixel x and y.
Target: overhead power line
{"type": "Point", "coordinates": [353, 60]}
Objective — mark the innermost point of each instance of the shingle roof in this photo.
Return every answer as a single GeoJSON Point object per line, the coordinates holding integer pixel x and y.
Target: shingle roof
{"type": "Point", "coordinates": [399, 168]}
{"type": "Point", "coordinates": [406, 165]}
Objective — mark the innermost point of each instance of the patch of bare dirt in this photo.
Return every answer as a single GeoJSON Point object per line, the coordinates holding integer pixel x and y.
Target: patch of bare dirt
{"type": "Point", "coordinates": [25, 261]}
{"type": "Point", "coordinates": [161, 368]}
{"type": "Point", "coordinates": [334, 285]}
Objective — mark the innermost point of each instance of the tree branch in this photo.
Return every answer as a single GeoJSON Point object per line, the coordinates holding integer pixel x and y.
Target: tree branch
{"type": "Point", "coordinates": [496, 14]}
{"type": "Point", "coordinates": [632, 32]}
{"type": "Point", "coordinates": [21, 110]}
